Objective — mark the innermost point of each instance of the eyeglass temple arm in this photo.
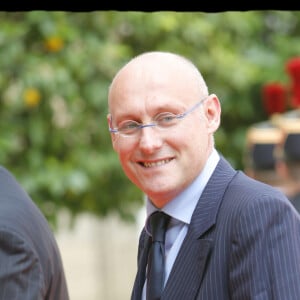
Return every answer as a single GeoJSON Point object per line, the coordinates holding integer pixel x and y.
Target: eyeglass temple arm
{"type": "Point", "coordinates": [110, 128]}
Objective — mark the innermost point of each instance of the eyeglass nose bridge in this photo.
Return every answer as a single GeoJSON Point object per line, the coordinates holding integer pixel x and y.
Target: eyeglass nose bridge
{"type": "Point", "coordinates": [147, 125]}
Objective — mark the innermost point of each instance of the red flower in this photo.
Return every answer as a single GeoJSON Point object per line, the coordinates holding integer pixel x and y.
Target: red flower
{"type": "Point", "coordinates": [293, 70]}
{"type": "Point", "coordinates": [274, 98]}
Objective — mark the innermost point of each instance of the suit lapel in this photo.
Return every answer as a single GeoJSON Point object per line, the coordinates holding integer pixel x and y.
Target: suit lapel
{"type": "Point", "coordinates": [187, 272]}
{"type": "Point", "coordinates": [189, 267]}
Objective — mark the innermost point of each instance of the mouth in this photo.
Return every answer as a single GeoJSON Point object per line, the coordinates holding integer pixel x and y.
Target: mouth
{"type": "Point", "coordinates": [155, 163]}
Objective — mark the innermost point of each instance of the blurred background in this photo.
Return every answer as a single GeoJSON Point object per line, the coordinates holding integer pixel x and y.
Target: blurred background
{"type": "Point", "coordinates": [56, 67]}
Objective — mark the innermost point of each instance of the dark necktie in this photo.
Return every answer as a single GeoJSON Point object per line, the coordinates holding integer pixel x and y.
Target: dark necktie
{"type": "Point", "coordinates": [156, 269]}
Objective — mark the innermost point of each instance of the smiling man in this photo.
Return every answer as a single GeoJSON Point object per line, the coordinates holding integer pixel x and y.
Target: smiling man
{"type": "Point", "coordinates": [228, 235]}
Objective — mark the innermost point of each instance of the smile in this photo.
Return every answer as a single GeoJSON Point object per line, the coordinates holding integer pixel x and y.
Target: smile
{"type": "Point", "coordinates": [156, 163]}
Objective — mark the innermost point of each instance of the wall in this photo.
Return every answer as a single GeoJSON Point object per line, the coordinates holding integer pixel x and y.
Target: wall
{"type": "Point", "coordinates": [99, 256]}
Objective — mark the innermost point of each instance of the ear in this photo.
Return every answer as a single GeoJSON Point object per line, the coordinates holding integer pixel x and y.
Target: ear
{"type": "Point", "coordinates": [212, 111]}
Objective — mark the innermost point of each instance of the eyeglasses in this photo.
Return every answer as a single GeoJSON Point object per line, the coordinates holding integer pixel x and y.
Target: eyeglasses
{"type": "Point", "coordinates": [164, 120]}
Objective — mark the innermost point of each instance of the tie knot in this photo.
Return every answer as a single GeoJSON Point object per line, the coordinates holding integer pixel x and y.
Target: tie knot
{"type": "Point", "coordinates": [158, 225]}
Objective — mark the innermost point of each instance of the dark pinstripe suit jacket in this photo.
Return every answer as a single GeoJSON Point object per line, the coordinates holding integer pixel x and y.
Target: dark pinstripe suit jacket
{"type": "Point", "coordinates": [30, 262]}
{"type": "Point", "coordinates": [243, 243]}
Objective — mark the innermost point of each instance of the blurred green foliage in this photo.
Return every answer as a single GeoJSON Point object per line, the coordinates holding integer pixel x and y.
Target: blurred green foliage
{"type": "Point", "coordinates": [56, 67]}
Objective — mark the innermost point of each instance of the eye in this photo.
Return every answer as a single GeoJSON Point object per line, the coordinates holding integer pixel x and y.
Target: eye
{"type": "Point", "coordinates": [166, 119]}
{"type": "Point", "coordinates": [128, 126]}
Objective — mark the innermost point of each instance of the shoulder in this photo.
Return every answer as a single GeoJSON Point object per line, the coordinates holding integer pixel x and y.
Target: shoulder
{"type": "Point", "coordinates": [252, 200]}
{"type": "Point", "coordinates": [246, 186]}
{"type": "Point", "coordinates": [19, 215]}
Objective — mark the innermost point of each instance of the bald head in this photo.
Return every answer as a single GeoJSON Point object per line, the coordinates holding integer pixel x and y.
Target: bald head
{"type": "Point", "coordinates": [160, 67]}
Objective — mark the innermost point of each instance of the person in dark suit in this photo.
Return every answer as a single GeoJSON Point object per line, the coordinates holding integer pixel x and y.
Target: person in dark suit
{"type": "Point", "coordinates": [230, 236]}
{"type": "Point", "coordinates": [30, 263]}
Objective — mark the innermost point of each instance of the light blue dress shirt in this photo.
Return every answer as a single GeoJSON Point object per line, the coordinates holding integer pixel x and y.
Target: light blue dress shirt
{"type": "Point", "coordinates": [181, 209]}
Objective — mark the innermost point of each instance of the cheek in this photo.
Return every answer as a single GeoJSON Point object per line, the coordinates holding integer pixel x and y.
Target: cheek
{"type": "Point", "coordinates": [124, 148]}
{"type": "Point", "coordinates": [196, 142]}
{"type": "Point", "coordinates": [115, 144]}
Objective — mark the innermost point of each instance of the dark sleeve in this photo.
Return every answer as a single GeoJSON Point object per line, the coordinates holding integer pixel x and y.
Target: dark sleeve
{"type": "Point", "coordinates": [20, 271]}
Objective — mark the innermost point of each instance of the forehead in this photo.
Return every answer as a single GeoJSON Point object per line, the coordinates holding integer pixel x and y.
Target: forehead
{"type": "Point", "coordinates": [143, 110]}
{"type": "Point", "coordinates": [150, 88]}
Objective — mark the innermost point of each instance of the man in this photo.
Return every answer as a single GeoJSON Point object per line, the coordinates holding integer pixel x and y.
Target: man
{"type": "Point", "coordinates": [230, 237]}
{"type": "Point", "coordinates": [30, 261]}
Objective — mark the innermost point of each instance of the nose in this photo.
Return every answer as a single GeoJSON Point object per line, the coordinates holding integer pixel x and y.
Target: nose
{"type": "Point", "coordinates": [147, 125]}
{"type": "Point", "coordinates": [150, 139]}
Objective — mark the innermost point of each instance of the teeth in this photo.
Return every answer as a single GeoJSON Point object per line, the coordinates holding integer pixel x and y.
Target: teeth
{"type": "Point", "coordinates": [155, 164]}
